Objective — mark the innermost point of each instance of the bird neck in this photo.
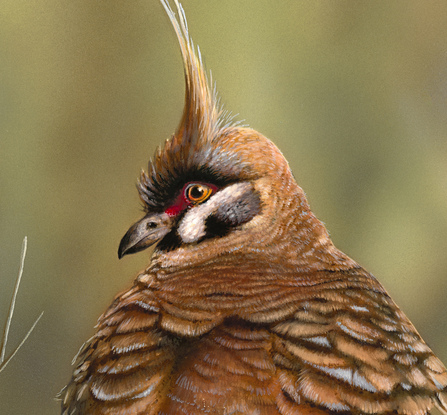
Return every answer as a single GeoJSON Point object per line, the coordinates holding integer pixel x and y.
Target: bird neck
{"type": "Point", "coordinates": [296, 243]}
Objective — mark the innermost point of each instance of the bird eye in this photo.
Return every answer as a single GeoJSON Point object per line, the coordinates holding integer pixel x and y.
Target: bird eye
{"type": "Point", "coordinates": [197, 193]}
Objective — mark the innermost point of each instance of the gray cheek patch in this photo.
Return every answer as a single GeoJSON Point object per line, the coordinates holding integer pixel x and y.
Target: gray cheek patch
{"type": "Point", "coordinates": [241, 211]}
{"type": "Point", "coordinates": [193, 225]}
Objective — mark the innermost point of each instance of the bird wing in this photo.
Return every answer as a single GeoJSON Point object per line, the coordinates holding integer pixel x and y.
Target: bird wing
{"type": "Point", "coordinates": [351, 349]}
{"type": "Point", "coordinates": [125, 363]}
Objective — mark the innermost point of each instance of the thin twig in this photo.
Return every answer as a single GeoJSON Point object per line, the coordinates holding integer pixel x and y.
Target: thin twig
{"type": "Point", "coordinates": [4, 362]}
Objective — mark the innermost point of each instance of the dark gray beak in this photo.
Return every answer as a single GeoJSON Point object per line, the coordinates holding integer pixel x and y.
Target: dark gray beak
{"type": "Point", "coordinates": [144, 233]}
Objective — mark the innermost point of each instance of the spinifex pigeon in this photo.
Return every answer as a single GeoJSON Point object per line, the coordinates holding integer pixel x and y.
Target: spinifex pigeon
{"type": "Point", "coordinates": [246, 306]}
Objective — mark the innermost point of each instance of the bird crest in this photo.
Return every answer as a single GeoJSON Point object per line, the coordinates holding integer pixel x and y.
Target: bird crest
{"type": "Point", "coordinates": [187, 151]}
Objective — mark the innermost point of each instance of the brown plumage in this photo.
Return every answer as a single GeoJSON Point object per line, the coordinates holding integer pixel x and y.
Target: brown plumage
{"type": "Point", "coordinates": [246, 306]}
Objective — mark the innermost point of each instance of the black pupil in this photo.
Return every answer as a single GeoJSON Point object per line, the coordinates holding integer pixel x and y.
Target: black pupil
{"type": "Point", "coordinates": [196, 192]}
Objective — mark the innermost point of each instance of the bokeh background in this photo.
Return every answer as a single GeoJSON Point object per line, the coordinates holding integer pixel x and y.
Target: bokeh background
{"type": "Point", "coordinates": [353, 92]}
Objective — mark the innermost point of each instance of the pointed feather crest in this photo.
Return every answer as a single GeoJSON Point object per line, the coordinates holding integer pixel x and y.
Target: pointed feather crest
{"type": "Point", "coordinates": [187, 151]}
{"type": "Point", "coordinates": [201, 113]}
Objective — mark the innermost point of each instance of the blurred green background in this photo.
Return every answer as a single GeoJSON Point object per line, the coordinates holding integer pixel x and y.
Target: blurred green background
{"type": "Point", "coordinates": [353, 92]}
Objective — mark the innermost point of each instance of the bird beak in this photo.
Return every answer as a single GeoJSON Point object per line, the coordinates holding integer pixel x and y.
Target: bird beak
{"type": "Point", "coordinates": [144, 233]}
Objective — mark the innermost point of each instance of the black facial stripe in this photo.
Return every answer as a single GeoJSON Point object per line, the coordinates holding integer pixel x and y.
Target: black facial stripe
{"type": "Point", "coordinates": [231, 215]}
{"type": "Point", "coordinates": [170, 242]}
{"type": "Point", "coordinates": [215, 227]}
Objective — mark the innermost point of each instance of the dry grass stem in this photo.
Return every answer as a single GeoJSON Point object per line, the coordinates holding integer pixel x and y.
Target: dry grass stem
{"type": "Point", "coordinates": [4, 360]}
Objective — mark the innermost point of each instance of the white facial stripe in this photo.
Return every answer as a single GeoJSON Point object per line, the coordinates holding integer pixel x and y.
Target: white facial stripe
{"type": "Point", "coordinates": [192, 226]}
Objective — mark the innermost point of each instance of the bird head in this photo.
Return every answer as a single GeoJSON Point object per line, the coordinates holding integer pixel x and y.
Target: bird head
{"type": "Point", "coordinates": [215, 183]}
